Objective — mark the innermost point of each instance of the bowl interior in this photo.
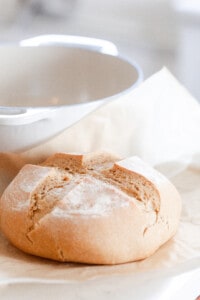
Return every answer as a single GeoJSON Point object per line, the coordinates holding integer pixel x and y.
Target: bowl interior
{"type": "Point", "coordinates": [46, 76]}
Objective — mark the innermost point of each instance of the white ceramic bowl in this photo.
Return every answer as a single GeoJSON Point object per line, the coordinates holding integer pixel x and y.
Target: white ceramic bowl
{"type": "Point", "coordinates": [47, 88]}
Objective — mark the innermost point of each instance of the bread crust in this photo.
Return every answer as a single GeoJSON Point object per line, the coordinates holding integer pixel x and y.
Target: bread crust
{"type": "Point", "coordinates": [92, 208]}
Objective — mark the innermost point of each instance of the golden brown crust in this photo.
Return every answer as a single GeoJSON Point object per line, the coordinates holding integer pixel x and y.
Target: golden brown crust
{"type": "Point", "coordinates": [90, 208]}
{"type": "Point", "coordinates": [80, 163]}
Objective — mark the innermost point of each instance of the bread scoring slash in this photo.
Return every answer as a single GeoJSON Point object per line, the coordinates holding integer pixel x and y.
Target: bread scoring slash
{"type": "Point", "coordinates": [90, 208]}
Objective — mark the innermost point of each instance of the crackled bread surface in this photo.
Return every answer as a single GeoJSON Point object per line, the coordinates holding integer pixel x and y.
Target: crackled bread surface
{"type": "Point", "coordinates": [92, 208]}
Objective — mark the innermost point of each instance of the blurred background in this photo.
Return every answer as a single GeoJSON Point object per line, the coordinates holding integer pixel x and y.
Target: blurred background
{"type": "Point", "coordinates": [154, 33]}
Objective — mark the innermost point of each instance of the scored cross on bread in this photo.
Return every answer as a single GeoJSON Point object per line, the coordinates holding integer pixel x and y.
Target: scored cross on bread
{"type": "Point", "coordinates": [92, 208]}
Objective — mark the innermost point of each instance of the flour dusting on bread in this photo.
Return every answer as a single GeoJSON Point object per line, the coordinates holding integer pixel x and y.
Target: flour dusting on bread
{"type": "Point", "coordinates": [90, 196]}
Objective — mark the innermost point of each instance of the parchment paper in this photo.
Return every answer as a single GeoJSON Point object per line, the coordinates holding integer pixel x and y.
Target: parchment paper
{"type": "Point", "coordinates": [160, 122]}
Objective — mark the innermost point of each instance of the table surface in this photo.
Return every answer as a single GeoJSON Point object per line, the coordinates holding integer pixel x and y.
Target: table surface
{"type": "Point", "coordinates": [152, 33]}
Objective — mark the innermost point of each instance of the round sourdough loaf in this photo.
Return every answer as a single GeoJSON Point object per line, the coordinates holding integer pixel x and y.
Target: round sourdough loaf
{"type": "Point", "coordinates": [92, 208]}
